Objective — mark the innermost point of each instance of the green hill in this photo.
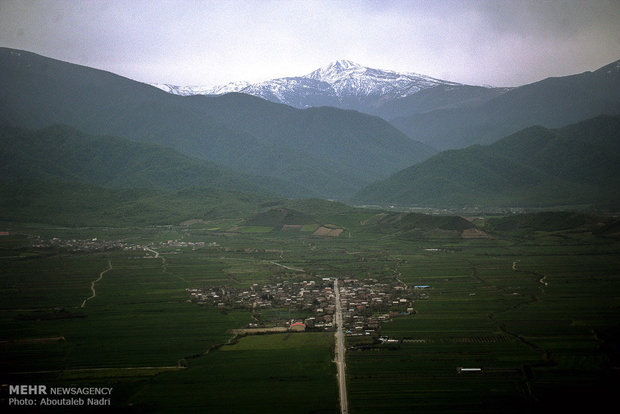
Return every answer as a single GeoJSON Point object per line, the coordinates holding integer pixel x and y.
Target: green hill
{"type": "Point", "coordinates": [75, 204]}
{"type": "Point", "coordinates": [318, 207]}
{"type": "Point", "coordinates": [278, 217]}
{"type": "Point", "coordinates": [392, 222]}
{"type": "Point", "coordinates": [577, 164]}
{"type": "Point", "coordinates": [546, 221]}
{"type": "Point", "coordinates": [61, 153]}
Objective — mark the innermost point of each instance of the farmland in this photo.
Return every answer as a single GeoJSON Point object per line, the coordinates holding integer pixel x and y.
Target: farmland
{"type": "Point", "coordinates": [535, 310]}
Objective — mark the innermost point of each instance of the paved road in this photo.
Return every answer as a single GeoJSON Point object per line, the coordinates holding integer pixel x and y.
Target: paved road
{"type": "Point", "coordinates": [340, 349]}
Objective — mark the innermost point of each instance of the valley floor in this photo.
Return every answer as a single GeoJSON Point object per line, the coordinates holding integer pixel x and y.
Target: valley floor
{"type": "Point", "coordinates": [504, 324]}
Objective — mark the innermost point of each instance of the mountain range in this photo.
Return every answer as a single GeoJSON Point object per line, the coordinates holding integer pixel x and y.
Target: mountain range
{"type": "Point", "coordinates": [440, 113]}
{"type": "Point", "coordinates": [62, 123]}
{"type": "Point", "coordinates": [342, 84]}
{"type": "Point", "coordinates": [325, 152]}
{"type": "Point", "coordinates": [551, 102]}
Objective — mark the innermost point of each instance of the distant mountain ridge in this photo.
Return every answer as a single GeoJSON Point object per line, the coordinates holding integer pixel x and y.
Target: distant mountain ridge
{"type": "Point", "coordinates": [343, 84]}
{"type": "Point", "coordinates": [439, 113]}
{"type": "Point", "coordinates": [535, 167]}
{"type": "Point", "coordinates": [552, 103]}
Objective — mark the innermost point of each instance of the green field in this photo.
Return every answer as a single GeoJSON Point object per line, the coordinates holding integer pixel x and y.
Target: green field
{"type": "Point", "coordinates": [537, 311]}
{"type": "Point", "coordinates": [541, 321]}
{"type": "Point", "coordinates": [284, 373]}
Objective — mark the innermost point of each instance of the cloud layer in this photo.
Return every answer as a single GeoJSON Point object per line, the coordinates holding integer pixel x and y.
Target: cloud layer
{"type": "Point", "coordinates": [503, 43]}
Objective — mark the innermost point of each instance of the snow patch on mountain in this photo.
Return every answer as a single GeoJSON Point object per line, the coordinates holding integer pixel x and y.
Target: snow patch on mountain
{"type": "Point", "coordinates": [350, 78]}
{"type": "Point", "coordinates": [184, 90]}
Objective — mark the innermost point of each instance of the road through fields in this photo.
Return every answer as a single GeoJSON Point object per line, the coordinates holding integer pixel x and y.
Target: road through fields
{"type": "Point", "coordinates": [340, 349]}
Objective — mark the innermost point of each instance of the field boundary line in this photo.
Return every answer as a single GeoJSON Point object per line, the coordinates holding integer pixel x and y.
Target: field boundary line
{"type": "Point", "coordinates": [56, 371]}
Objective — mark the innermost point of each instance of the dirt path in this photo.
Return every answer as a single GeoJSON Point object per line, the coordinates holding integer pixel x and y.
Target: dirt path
{"type": "Point", "coordinates": [154, 252]}
{"type": "Point", "coordinates": [287, 267]}
{"type": "Point", "coordinates": [92, 285]}
{"type": "Point", "coordinates": [164, 264]}
{"type": "Point", "coordinates": [398, 274]}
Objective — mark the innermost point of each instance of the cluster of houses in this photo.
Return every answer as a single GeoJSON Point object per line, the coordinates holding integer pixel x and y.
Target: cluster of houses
{"type": "Point", "coordinates": [365, 303]}
{"type": "Point", "coordinates": [177, 243]}
{"type": "Point", "coordinates": [96, 245]}
{"type": "Point", "coordinates": [73, 245]}
{"type": "Point", "coordinates": [315, 297]}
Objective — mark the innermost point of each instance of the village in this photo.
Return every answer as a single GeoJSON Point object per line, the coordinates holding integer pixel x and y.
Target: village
{"type": "Point", "coordinates": [98, 245]}
{"type": "Point", "coordinates": [85, 245]}
{"type": "Point", "coordinates": [365, 303]}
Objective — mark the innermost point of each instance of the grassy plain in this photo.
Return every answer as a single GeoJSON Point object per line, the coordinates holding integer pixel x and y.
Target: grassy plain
{"type": "Point", "coordinates": [283, 373]}
{"type": "Point", "coordinates": [538, 315]}
{"type": "Point", "coordinates": [536, 310]}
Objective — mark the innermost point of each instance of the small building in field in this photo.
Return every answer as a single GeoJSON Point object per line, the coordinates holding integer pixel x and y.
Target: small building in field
{"type": "Point", "coordinates": [462, 370]}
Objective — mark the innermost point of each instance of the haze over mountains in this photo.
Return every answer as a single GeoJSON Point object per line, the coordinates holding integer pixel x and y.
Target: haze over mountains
{"type": "Point", "coordinates": [536, 167]}
{"type": "Point", "coordinates": [61, 153]}
{"type": "Point", "coordinates": [440, 113]}
{"type": "Point", "coordinates": [118, 133]}
{"type": "Point", "coordinates": [551, 102]}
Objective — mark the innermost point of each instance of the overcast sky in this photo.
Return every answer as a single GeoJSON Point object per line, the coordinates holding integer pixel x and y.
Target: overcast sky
{"type": "Point", "coordinates": [183, 42]}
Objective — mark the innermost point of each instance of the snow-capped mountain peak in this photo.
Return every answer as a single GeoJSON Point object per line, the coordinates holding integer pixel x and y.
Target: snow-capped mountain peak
{"type": "Point", "coordinates": [335, 70]}
{"type": "Point", "coordinates": [346, 64]}
{"type": "Point", "coordinates": [342, 83]}
{"type": "Point", "coordinates": [348, 78]}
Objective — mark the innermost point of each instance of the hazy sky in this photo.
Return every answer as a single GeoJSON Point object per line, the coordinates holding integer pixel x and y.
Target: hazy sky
{"type": "Point", "coordinates": [184, 42]}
